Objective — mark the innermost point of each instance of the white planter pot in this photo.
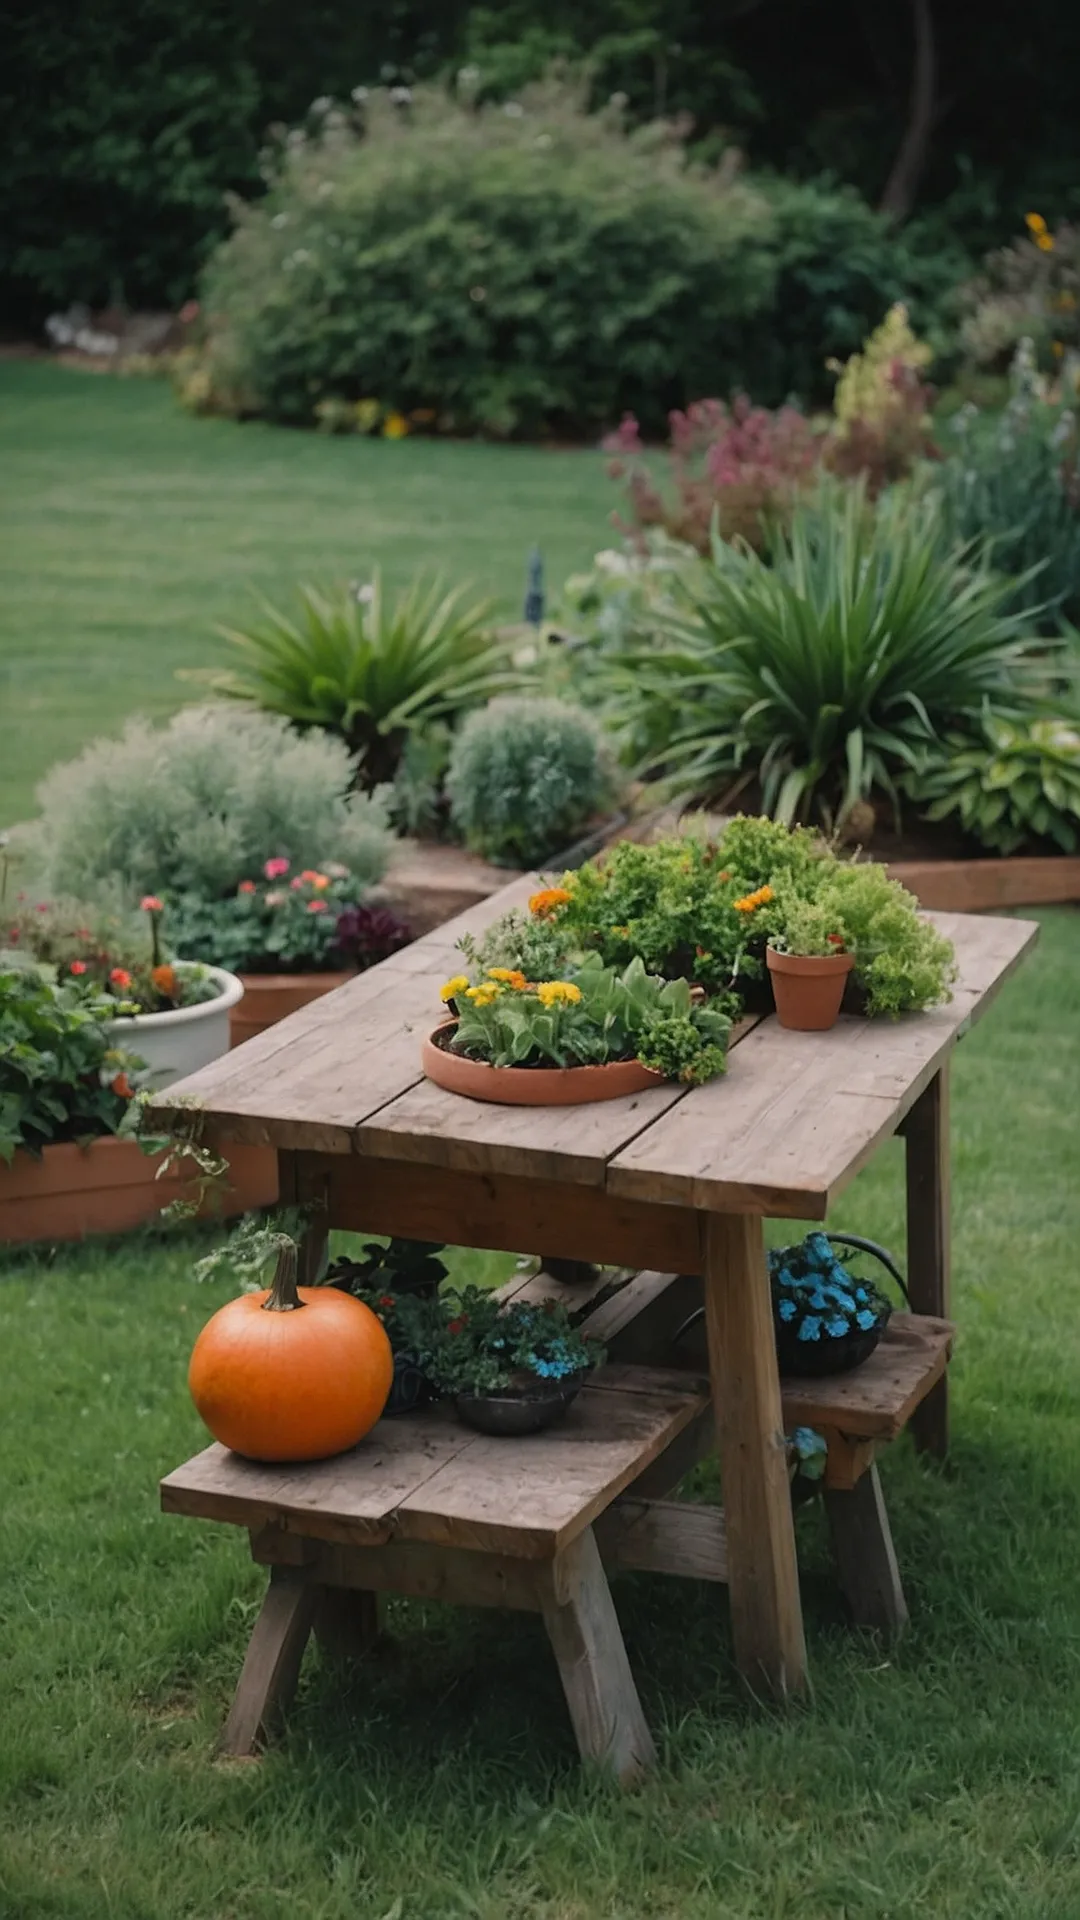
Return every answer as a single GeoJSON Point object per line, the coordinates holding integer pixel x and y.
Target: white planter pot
{"type": "Point", "coordinates": [181, 1041]}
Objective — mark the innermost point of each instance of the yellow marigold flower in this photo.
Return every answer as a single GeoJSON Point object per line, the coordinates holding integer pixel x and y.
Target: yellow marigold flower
{"type": "Point", "coordinates": [551, 992]}
{"type": "Point", "coordinates": [751, 901]}
{"type": "Point", "coordinates": [1044, 242]}
{"type": "Point", "coordinates": [395, 426]}
{"type": "Point", "coordinates": [548, 899]}
{"type": "Point", "coordinates": [484, 994]}
{"type": "Point", "coordinates": [508, 977]}
{"type": "Point", "coordinates": [453, 987]}
{"type": "Point", "coordinates": [1035, 223]}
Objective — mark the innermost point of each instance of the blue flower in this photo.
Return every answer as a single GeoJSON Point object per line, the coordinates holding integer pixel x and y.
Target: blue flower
{"type": "Point", "coordinates": [818, 1300]}
{"type": "Point", "coordinates": [860, 1293]}
{"type": "Point", "coordinates": [818, 1250]}
{"type": "Point", "coordinates": [836, 1328]}
{"type": "Point", "coordinates": [787, 1309]}
{"type": "Point", "coordinates": [865, 1319]}
{"type": "Point", "coordinates": [811, 1328]}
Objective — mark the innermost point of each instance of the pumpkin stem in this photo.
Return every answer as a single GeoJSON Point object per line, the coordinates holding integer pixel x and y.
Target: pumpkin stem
{"type": "Point", "coordinates": [283, 1296]}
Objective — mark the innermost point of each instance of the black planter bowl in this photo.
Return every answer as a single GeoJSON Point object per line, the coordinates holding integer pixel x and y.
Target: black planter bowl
{"type": "Point", "coordinates": [410, 1389]}
{"type": "Point", "coordinates": [813, 1359]}
{"type": "Point", "coordinates": [519, 1410]}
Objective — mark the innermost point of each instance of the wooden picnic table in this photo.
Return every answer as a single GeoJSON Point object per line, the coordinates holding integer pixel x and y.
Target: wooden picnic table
{"type": "Point", "coordinates": [671, 1182]}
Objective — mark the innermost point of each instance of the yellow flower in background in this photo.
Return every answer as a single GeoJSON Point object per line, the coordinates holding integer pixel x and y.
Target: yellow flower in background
{"type": "Point", "coordinates": [1044, 242]}
{"type": "Point", "coordinates": [551, 992]}
{"type": "Point", "coordinates": [1034, 223]}
{"type": "Point", "coordinates": [453, 987]}
{"type": "Point", "coordinates": [751, 901]}
{"type": "Point", "coordinates": [395, 426]}
{"type": "Point", "coordinates": [482, 996]}
{"type": "Point", "coordinates": [367, 415]}
{"type": "Point", "coordinates": [509, 976]}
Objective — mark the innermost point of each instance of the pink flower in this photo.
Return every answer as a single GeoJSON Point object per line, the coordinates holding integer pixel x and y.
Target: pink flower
{"type": "Point", "coordinates": [276, 867]}
{"type": "Point", "coordinates": [296, 884]}
{"type": "Point", "coordinates": [246, 886]}
{"type": "Point", "coordinates": [42, 907]}
{"type": "Point", "coordinates": [316, 906]}
{"type": "Point", "coordinates": [78, 966]}
{"type": "Point", "coordinates": [188, 312]}
{"type": "Point", "coordinates": [151, 904]}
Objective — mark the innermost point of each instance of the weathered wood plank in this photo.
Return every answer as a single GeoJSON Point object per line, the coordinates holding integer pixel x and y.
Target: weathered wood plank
{"type": "Point", "coordinates": [595, 1672]}
{"type": "Point", "coordinates": [926, 1147]}
{"type": "Point", "coordinates": [411, 1567]}
{"type": "Point", "coordinates": [876, 1400]}
{"type": "Point", "coordinates": [865, 1556]}
{"type": "Point", "coordinates": [272, 1663]}
{"type": "Point", "coordinates": [766, 1613]}
{"type": "Point", "coordinates": [797, 1114]}
{"type": "Point", "coordinates": [663, 1536]}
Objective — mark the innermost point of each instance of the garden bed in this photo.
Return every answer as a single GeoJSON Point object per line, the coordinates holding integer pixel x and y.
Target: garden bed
{"type": "Point", "coordinates": [112, 1186]}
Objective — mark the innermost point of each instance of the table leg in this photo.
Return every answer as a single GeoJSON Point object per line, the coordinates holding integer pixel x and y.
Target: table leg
{"type": "Point", "coordinates": [766, 1613]}
{"type": "Point", "coordinates": [347, 1621]}
{"type": "Point", "coordinates": [926, 1146]}
{"type": "Point", "coordinates": [272, 1663]}
{"type": "Point", "coordinates": [865, 1557]}
{"type": "Point", "coordinates": [585, 1635]}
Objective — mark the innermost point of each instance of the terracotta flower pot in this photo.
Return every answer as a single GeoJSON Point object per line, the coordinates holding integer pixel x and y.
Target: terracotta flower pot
{"type": "Point", "coordinates": [531, 1086]}
{"type": "Point", "coordinates": [270, 997]}
{"type": "Point", "coordinates": [110, 1187]}
{"type": "Point", "coordinates": [808, 988]}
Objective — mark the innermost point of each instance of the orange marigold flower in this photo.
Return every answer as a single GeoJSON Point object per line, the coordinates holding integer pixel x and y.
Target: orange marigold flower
{"type": "Point", "coordinates": [509, 976]}
{"type": "Point", "coordinates": [548, 899]}
{"type": "Point", "coordinates": [1035, 223]}
{"type": "Point", "coordinates": [122, 1085]}
{"type": "Point", "coordinates": [751, 901]}
{"type": "Point", "coordinates": [164, 979]}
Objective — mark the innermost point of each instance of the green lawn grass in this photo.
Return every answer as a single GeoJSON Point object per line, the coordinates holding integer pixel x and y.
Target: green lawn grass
{"type": "Point", "coordinates": [131, 530]}
{"type": "Point", "coordinates": [439, 1781]}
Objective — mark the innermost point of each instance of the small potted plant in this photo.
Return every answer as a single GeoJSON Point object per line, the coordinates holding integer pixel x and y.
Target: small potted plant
{"type": "Point", "coordinates": [596, 1034]}
{"type": "Point", "coordinates": [509, 1370]}
{"type": "Point", "coordinates": [809, 963]}
{"type": "Point", "coordinates": [400, 1283]}
{"type": "Point", "coordinates": [825, 1320]}
{"type": "Point", "coordinates": [290, 936]}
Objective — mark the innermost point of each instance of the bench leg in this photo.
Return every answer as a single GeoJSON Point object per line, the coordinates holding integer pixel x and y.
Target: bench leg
{"type": "Point", "coordinates": [272, 1662]}
{"type": "Point", "coordinates": [865, 1557]}
{"type": "Point", "coordinates": [926, 1147]}
{"type": "Point", "coordinates": [584, 1631]}
{"type": "Point", "coordinates": [766, 1612]}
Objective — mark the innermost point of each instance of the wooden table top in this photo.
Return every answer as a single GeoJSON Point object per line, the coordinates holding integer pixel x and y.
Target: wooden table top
{"type": "Point", "coordinates": [783, 1131]}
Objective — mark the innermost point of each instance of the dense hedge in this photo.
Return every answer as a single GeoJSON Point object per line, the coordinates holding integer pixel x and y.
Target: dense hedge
{"type": "Point", "coordinates": [537, 271]}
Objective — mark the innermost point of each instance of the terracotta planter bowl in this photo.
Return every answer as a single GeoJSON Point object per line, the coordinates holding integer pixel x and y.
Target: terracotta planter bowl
{"type": "Point", "coordinates": [532, 1086]}
{"type": "Point", "coordinates": [808, 988]}
{"type": "Point", "coordinates": [270, 997]}
{"type": "Point", "coordinates": [110, 1187]}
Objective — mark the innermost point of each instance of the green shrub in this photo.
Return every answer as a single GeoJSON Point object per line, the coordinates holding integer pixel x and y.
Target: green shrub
{"type": "Point", "coordinates": [198, 805]}
{"type": "Point", "coordinates": [493, 272]}
{"type": "Point", "coordinates": [1029, 290]}
{"type": "Point", "coordinates": [902, 963]}
{"type": "Point", "coordinates": [823, 671]}
{"type": "Point", "coordinates": [1007, 782]}
{"type": "Point", "coordinates": [524, 777]}
{"type": "Point", "coordinates": [1015, 479]}
{"type": "Point", "coordinates": [62, 1077]}
{"type": "Point", "coordinates": [372, 670]}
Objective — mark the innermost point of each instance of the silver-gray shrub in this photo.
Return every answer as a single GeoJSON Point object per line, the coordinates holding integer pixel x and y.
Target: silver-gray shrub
{"type": "Point", "coordinates": [200, 804]}
{"type": "Point", "coordinates": [525, 775]}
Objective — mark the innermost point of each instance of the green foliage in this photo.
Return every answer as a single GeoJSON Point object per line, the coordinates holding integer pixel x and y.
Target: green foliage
{"type": "Point", "coordinates": [902, 963]}
{"type": "Point", "coordinates": [310, 924]}
{"type": "Point", "coordinates": [59, 1064]}
{"type": "Point", "coordinates": [199, 804]}
{"type": "Point", "coordinates": [809, 928]}
{"type": "Point", "coordinates": [480, 1345]}
{"type": "Point", "coordinates": [527, 943]}
{"type": "Point", "coordinates": [502, 273]}
{"type": "Point", "coordinates": [823, 671]}
{"type": "Point", "coordinates": [1015, 479]}
{"type": "Point", "coordinates": [524, 777]}
{"type": "Point", "coordinates": [1029, 290]}
{"type": "Point", "coordinates": [373, 670]}
{"type": "Point", "coordinates": [595, 1015]}
{"type": "Point", "coordinates": [1008, 783]}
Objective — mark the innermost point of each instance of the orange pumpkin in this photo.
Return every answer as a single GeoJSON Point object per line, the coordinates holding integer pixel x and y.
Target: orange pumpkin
{"type": "Point", "coordinates": [292, 1373]}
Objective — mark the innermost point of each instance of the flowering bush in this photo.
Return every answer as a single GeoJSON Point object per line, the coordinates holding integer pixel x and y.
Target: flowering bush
{"type": "Point", "coordinates": [285, 922]}
{"type": "Point", "coordinates": [102, 955]}
{"type": "Point", "coordinates": [485, 1347]}
{"type": "Point", "coordinates": [1029, 290]}
{"type": "Point", "coordinates": [882, 407]}
{"type": "Point", "coordinates": [61, 1076]}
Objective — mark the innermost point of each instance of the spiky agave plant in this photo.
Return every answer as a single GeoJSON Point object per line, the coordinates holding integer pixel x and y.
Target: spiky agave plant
{"type": "Point", "coordinates": [370, 668]}
{"type": "Point", "coordinates": [824, 668]}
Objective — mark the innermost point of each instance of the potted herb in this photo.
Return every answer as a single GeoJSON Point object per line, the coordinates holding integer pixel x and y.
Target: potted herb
{"type": "Point", "coordinates": [400, 1283]}
{"type": "Point", "coordinates": [509, 1369]}
{"type": "Point", "coordinates": [290, 936]}
{"type": "Point", "coordinates": [596, 1034]}
{"type": "Point", "coordinates": [809, 964]}
{"type": "Point", "coordinates": [825, 1320]}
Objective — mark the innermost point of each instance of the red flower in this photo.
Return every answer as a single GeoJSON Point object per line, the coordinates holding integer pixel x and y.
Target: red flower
{"type": "Point", "coordinates": [246, 886]}
{"type": "Point", "coordinates": [151, 904]}
{"type": "Point", "coordinates": [119, 977]}
{"type": "Point", "coordinates": [455, 1326]}
{"type": "Point", "coordinates": [122, 1085]}
{"type": "Point", "coordinates": [387, 1300]}
{"type": "Point", "coordinates": [835, 939]}
{"type": "Point", "coordinates": [78, 966]}
{"type": "Point", "coordinates": [316, 906]}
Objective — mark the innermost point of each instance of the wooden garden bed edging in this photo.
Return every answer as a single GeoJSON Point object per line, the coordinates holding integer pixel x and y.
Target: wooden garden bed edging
{"type": "Point", "coordinates": [110, 1187]}
{"type": "Point", "coordinates": [977, 886]}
